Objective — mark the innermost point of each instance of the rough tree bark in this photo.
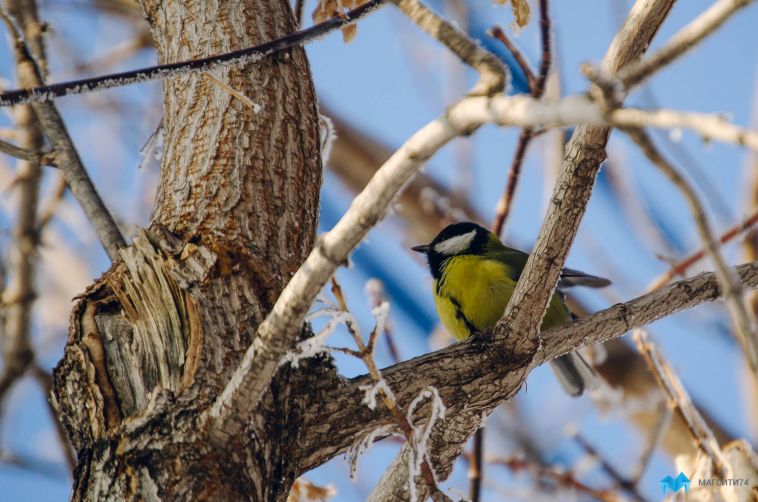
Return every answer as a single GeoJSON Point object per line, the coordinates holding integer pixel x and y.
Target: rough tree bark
{"type": "Point", "coordinates": [154, 340]}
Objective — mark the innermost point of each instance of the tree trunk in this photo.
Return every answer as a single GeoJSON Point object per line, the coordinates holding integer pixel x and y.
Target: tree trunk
{"type": "Point", "coordinates": [153, 342]}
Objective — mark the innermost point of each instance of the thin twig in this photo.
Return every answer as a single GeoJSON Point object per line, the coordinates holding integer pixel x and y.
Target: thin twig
{"type": "Point", "coordinates": [49, 209]}
{"type": "Point", "coordinates": [299, 13]}
{"type": "Point", "coordinates": [230, 90]}
{"type": "Point", "coordinates": [744, 324]}
{"type": "Point", "coordinates": [654, 439]}
{"type": "Point", "coordinates": [374, 290]}
{"type": "Point", "coordinates": [498, 33]}
{"type": "Point", "coordinates": [35, 465]}
{"type": "Point", "coordinates": [680, 267]}
{"type": "Point", "coordinates": [546, 59]}
{"type": "Point", "coordinates": [685, 39]}
{"type": "Point", "coordinates": [619, 479]}
{"type": "Point", "coordinates": [504, 204]}
{"type": "Point", "coordinates": [561, 477]}
{"type": "Point", "coordinates": [537, 89]}
{"type": "Point", "coordinates": [23, 153]}
{"type": "Point", "coordinates": [397, 411]}
{"type": "Point", "coordinates": [680, 401]}
{"type": "Point", "coordinates": [475, 471]}
{"type": "Point", "coordinates": [492, 72]}
{"type": "Point", "coordinates": [41, 93]}
{"type": "Point", "coordinates": [503, 208]}
{"type": "Point", "coordinates": [66, 155]}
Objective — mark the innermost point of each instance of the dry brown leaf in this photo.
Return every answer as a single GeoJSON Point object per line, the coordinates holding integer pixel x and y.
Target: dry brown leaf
{"type": "Point", "coordinates": [521, 11]}
{"type": "Point", "coordinates": [305, 491]}
{"type": "Point", "coordinates": [327, 9]}
{"type": "Point", "coordinates": [348, 32]}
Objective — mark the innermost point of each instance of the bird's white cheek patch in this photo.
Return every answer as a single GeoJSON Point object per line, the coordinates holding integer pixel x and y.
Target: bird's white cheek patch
{"type": "Point", "coordinates": [455, 244]}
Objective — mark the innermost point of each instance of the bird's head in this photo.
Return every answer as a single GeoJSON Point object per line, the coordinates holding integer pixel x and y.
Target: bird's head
{"type": "Point", "coordinates": [465, 238]}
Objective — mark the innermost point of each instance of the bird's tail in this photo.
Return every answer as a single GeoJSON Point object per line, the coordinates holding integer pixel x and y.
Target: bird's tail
{"type": "Point", "coordinates": [574, 374]}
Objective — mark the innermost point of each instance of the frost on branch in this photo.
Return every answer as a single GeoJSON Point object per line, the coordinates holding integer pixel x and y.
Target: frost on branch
{"type": "Point", "coordinates": [326, 136]}
{"type": "Point", "coordinates": [153, 147]}
{"type": "Point", "coordinates": [316, 344]}
{"type": "Point", "coordinates": [421, 434]}
{"type": "Point", "coordinates": [363, 443]}
{"type": "Point", "coordinates": [381, 312]}
{"type": "Point", "coordinates": [372, 390]}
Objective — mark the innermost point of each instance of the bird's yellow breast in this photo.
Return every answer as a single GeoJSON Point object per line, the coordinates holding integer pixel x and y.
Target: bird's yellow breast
{"type": "Point", "coordinates": [473, 291]}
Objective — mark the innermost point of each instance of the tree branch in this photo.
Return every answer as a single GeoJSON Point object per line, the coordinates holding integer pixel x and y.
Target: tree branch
{"type": "Point", "coordinates": [689, 36]}
{"type": "Point", "coordinates": [475, 376]}
{"type": "Point", "coordinates": [37, 92]}
{"type": "Point", "coordinates": [680, 268]}
{"type": "Point", "coordinates": [744, 324]}
{"type": "Point", "coordinates": [492, 72]}
{"type": "Point", "coordinates": [25, 154]}
{"type": "Point", "coordinates": [498, 33]}
{"type": "Point", "coordinates": [537, 87]}
{"type": "Point", "coordinates": [680, 401]}
{"type": "Point", "coordinates": [574, 185]}
{"type": "Point", "coordinates": [519, 325]}
{"type": "Point", "coordinates": [558, 476]}
{"type": "Point", "coordinates": [276, 333]}
{"type": "Point", "coordinates": [400, 413]}
{"type": "Point", "coordinates": [66, 156]}
{"type": "Point", "coordinates": [19, 294]}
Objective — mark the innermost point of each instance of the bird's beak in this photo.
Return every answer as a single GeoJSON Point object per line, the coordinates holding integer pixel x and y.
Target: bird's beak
{"type": "Point", "coordinates": [424, 248]}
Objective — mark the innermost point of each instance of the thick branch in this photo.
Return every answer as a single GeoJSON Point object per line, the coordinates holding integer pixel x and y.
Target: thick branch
{"type": "Point", "coordinates": [480, 373]}
{"type": "Point", "coordinates": [574, 185]}
{"type": "Point", "coordinates": [276, 333]}
{"type": "Point", "coordinates": [520, 323]}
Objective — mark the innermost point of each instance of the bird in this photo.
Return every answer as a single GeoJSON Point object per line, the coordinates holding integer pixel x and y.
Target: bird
{"type": "Point", "coordinates": [475, 275]}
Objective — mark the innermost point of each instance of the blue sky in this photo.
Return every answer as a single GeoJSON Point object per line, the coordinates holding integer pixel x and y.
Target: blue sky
{"type": "Point", "coordinates": [391, 80]}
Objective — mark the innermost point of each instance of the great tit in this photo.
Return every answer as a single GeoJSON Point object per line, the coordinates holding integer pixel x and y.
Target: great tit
{"type": "Point", "coordinates": [474, 277]}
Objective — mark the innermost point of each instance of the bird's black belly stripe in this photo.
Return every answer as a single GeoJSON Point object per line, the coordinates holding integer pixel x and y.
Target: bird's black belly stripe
{"type": "Point", "coordinates": [461, 316]}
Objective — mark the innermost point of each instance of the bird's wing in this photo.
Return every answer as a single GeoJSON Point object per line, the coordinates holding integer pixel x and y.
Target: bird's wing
{"type": "Point", "coordinates": [513, 259]}
{"type": "Point", "coordinates": [570, 278]}
{"type": "Point", "coordinates": [516, 261]}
